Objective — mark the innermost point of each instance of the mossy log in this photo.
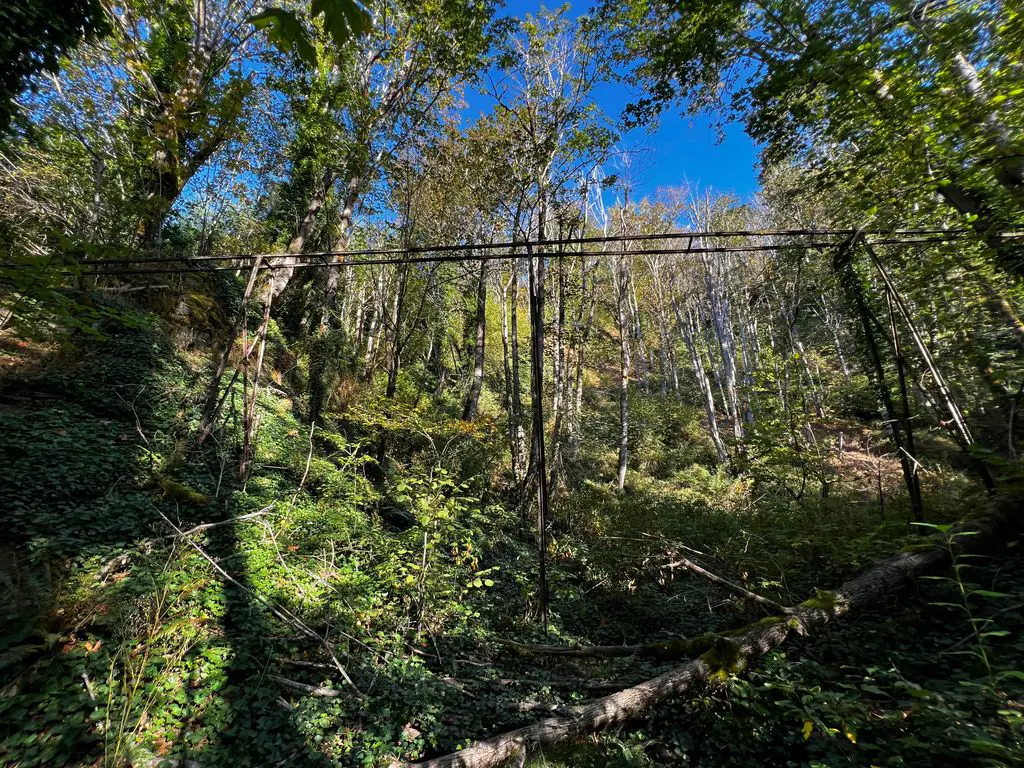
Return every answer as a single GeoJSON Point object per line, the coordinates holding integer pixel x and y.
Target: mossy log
{"type": "Point", "coordinates": [172, 490]}
{"type": "Point", "coordinates": [728, 655]}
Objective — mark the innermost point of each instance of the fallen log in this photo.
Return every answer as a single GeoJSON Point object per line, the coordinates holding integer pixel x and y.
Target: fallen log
{"type": "Point", "coordinates": [730, 654]}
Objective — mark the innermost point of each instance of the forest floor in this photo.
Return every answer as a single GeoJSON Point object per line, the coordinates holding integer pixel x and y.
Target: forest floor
{"type": "Point", "coordinates": [136, 638]}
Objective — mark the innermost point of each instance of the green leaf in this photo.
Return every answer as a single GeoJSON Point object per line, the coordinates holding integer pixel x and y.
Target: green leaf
{"type": "Point", "coordinates": [286, 33]}
{"type": "Point", "coordinates": [934, 526]}
{"type": "Point", "coordinates": [988, 593]}
{"type": "Point", "coordinates": [991, 748]}
{"type": "Point", "coordinates": [342, 19]}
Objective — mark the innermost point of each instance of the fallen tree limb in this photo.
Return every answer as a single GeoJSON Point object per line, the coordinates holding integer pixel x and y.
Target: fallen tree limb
{"type": "Point", "coordinates": [208, 526]}
{"type": "Point", "coordinates": [146, 545]}
{"type": "Point", "coordinates": [746, 594]}
{"type": "Point", "coordinates": [586, 685]}
{"type": "Point", "coordinates": [310, 690]}
{"type": "Point", "coordinates": [730, 654]}
{"type": "Point", "coordinates": [536, 706]}
{"type": "Point", "coordinates": [308, 664]}
{"type": "Point", "coordinates": [278, 610]}
{"type": "Point", "coordinates": [664, 651]}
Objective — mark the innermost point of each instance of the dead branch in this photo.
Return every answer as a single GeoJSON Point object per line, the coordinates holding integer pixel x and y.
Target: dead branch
{"type": "Point", "coordinates": [536, 706]}
{"type": "Point", "coordinates": [305, 472]}
{"type": "Point", "coordinates": [208, 526]}
{"type": "Point", "coordinates": [279, 611]}
{"type": "Point", "coordinates": [146, 545]}
{"type": "Point", "coordinates": [307, 664]}
{"type": "Point", "coordinates": [746, 594]}
{"type": "Point", "coordinates": [310, 690]}
{"type": "Point", "coordinates": [586, 685]}
{"type": "Point", "coordinates": [131, 288]}
{"type": "Point", "coordinates": [668, 650]}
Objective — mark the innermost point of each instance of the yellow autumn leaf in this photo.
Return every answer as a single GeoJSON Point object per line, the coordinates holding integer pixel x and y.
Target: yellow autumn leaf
{"type": "Point", "coordinates": [852, 737]}
{"type": "Point", "coordinates": [808, 727]}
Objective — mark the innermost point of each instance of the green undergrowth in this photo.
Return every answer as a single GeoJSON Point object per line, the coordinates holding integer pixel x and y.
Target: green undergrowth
{"type": "Point", "coordinates": [895, 688]}
{"type": "Point", "coordinates": [126, 644]}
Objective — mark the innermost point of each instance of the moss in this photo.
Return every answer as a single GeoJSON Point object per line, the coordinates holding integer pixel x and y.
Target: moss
{"type": "Point", "coordinates": [822, 600]}
{"type": "Point", "coordinates": [204, 310]}
{"type": "Point", "coordinates": [181, 493]}
{"type": "Point", "coordinates": [723, 660]}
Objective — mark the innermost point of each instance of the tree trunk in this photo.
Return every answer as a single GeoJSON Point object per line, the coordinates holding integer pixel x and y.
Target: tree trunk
{"type": "Point", "coordinates": [916, 503]}
{"type": "Point", "coordinates": [585, 323]}
{"type": "Point", "coordinates": [998, 305]}
{"type": "Point", "coordinates": [395, 319]}
{"type": "Point", "coordinates": [847, 275]}
{"type": "Point", "coordinates": [560, 374]}
{"type": "Point", "coordinates": [284, 269]}
{"type": "Point", "coordinates": [517, 385]}
{"type": "Point", "coordinates": [214, 400]}
{"type": "Point", "coordinates": [831, 320]}
{"type": "Point", "coordinates": [476, 386]}
{"type": "Point", "coordinates": [746, 358]}
{"type": "Point", "coordinates": [373, 327]}
{"type": "Point", "coordinates": [985, 223]}
{"type": "Point", "coordinates": [622, 321]}
{"type": "Point", "coordinates": [637, 332]}
{"type": "Point", "coordinates": [511, 408]}
{"type": "Point", "coordinates": [333, 276]}
{"type": "Point", "coordinates": [688, 329]}
{"type": "Point", "coordinates": [949, 401]}
{"type": "Point", "coordinates": [358, 321]}
{"type": "Point", "coordinates": [718, 297]}
{"type": "Point", "coordinates": [538, 462]}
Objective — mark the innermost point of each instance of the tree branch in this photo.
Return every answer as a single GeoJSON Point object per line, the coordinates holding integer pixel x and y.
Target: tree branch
{"type": "Point", "coordinates": [746, 594]}
{"type": "Point", "coordinates": [279, 611]}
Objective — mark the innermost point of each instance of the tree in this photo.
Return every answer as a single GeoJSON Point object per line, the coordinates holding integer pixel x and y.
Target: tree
{"type": "Point", "coordinates": [359, 107]}
{"type": "Point", "coordinates": [37, 33]}
{"type": "Point", "coordinates": [907, 103]}
{"type": "Point", "coordinates": [146, 108]}
{"type": "Point", "coordinates": [553, 135]}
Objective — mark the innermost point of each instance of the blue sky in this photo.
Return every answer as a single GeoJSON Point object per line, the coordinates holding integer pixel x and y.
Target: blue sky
{"type": "Point", "coordinates": [679, 149]}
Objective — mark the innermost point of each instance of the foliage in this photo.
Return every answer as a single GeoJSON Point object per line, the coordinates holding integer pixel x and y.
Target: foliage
{"type": "Point", "coordinates": [342, 19]}
{"type": "Point", "coordinates": [37, 34]}
{"type": "Point", "coordinates": [286, 514]}
{"type": "Point", "coordinates": [901, 104]}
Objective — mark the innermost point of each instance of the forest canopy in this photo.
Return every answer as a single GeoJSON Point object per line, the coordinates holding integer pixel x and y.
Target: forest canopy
{"type": "Point", "coordinates": [364, 402]}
